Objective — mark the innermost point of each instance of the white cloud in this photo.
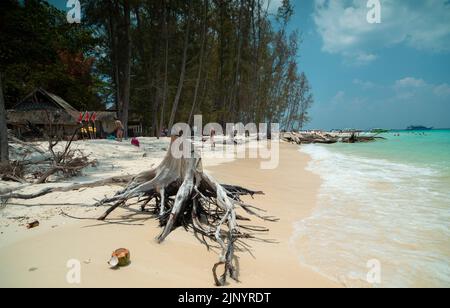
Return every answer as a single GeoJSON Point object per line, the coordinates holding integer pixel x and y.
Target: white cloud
{"type": "Point", "coordinates": [410, 87]}
{"type": "Point", "coordinates": [398, 104]}
{"type": "Point", "coordinates": [339, 96]}
{"type": "Point", "coordinates": [410, 82]}
{"type": "Point", "coordinates": [406, 86]}
{"type": "Point", "coordinates": [363, 58]}
{"type": "Point", "coordinates": [442, 90]}
{"type": "Point", "coordinates": [364, 84]}
{"type": "Point", "coordinates": [344, 29]}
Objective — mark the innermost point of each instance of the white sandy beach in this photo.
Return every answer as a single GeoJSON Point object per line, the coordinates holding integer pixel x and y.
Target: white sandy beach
{"type": "Point", "coordinates": [38, 257]}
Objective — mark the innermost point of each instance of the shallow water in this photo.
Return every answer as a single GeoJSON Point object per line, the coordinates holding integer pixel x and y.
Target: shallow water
{"type": "Point", "coordinates": [387, 201]}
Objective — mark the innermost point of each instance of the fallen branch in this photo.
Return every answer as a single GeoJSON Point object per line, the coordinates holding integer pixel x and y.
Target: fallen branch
{"type": "Point", "coordinates": [10, 194]}
{"type": "Point", "coordinates": [67, 163]}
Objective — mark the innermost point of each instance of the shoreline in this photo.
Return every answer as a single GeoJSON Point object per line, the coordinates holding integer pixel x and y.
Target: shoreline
{"type": "Point", "coordinates": [378, 192]}
{"type": "Point", "coordinates": [40, 258]}
{"type": "Point", "coordinates": [288, 201]}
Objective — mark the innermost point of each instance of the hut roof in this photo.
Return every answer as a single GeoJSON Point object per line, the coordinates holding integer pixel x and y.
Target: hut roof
{"type": "Point", "coordinates": [42, 117]}
{"type": "Point", "coordinates": [45, 101]}
{"type": "Point", "coordinates": [40, 106]}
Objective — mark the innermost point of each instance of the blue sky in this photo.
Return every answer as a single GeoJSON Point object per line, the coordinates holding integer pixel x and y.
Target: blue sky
{"type": "Point", "coordinates": [393, 74]}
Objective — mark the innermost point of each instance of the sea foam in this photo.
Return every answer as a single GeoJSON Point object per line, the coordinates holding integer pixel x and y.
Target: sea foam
{"type": "Point", "coordinates": [375, 209]}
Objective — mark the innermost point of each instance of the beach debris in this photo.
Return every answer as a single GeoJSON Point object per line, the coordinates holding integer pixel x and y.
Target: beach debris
{"type": "Point", "coordinates": [32, 269]}
{"type": "Point", "coordinates": [135, 142]}
{"type": "Point", "coordinates": [33, 224]}
{"type": "Point", "coordinates": [88, 261]}
{"type": "Point", "coordinates": [120, 258]}
{"type": "Point", "coordinates": [30, 164]}
{"type": "Point", "coordinates": [356, 138]}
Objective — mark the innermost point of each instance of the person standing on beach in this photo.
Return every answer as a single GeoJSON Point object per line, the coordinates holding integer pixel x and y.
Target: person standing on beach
{"type": "Point", "coordinates": [212, 135]}
{"type": "Point", "coordinates": [119, 129]}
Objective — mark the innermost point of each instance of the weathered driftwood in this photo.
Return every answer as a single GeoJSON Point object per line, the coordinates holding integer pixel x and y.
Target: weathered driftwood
{"type": "Point", "coordinates": [180, 193]}
{"type": "Point", "coordinates": [186, 196]}
{"type": "Point", "coordinates": [354, 138]}
{"type": "Point", "coordinates": [11, 171]}
{"type": "Point", "coordinates": [13, 139]}
{"type": "Point", "coordinates": [8, 194]}
{"type": "Point", "coordinates": [308, 138]}
{"type": "Point", "coordinates": [325, 138]}
{"type": "Point", "coordinates": [43, 164]}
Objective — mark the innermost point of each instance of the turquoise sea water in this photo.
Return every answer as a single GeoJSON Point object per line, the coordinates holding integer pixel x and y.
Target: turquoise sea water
{"type": "Point", "coordinates": [387, 201]}
{"type": "Point", "coordinates": [419, 148]}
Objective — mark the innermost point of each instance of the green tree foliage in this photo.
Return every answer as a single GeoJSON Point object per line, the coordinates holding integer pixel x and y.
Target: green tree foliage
{"type": "Point", "coordinates": [241, 62]}
{"type": "Point", "coordinates": [39, 48]}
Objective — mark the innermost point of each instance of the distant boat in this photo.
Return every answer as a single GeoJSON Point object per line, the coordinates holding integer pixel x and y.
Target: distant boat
{"type": "Point", "coordinates": [419, 128]}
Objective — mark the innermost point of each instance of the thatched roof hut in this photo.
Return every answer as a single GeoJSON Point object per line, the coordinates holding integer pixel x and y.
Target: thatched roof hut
{"type": "Point", "coordinates": [40, 108]}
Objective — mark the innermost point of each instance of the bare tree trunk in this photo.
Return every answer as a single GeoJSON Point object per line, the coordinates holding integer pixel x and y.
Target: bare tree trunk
{"type": "Point", "coordinates": [256, 25]}
{"type": "Point", "coordinates": [235, 88]}
{"type": "Point", "coordinates": [200, 68]}
{"type": "Point", "coordinates": [153, 80]}
{"type": "Point", "coordinates": [4, 152]}
{"type": "Point", "coordinates": [127, 68]}
{"type": "Point", "coordinates": [114, 41]}
{"type": "Point", "coordinates": [220, 95]}
{"type": "Point", "coordinates": [155, 106]}
{"type": "Point", "coordinates": [183, 70]}
{"type": "Point", "coordinates": [166, 69]}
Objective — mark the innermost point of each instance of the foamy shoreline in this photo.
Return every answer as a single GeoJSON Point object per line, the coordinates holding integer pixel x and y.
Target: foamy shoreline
{"type": "Point", "coordinates": [376, 210]}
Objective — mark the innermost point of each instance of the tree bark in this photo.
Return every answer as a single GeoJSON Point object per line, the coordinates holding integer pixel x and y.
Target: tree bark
{"type": "Point", "coordinates": [256, 37]}
{"type": "Point", "coordinates": [152, 79]}
{"type": "Point", "coordinates": [202, 55]}
{"type": "Point", "coordinates": [4, 152]}
{"type": "Point", "coordinates": [127, 68]}
{"type": "Point", "coordinates": [155, 107]}
{"type": "Point", "coordinates": [236, 82]}
{"type": "Point", "coordinates": [114, 42]}
{"type": "Point", "coordinates": [166, 68]}
{"type": "Point", "coordinates": [183, 70]}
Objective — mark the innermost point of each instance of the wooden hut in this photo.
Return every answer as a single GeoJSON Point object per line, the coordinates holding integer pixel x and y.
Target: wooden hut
{"type": "Point", "coordinates": [41, 109]}
{"type": "Point", "coordinates": [38, 110]}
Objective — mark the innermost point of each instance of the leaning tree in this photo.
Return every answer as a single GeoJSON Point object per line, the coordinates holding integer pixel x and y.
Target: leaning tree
{"type": "Point", "coordinates": [180, 194]}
